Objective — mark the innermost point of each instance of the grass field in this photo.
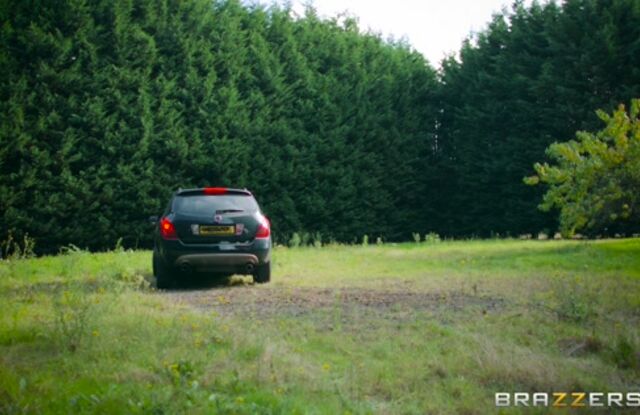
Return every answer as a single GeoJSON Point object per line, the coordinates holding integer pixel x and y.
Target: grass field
{"type": "Point", "coordinates": [393, 329]}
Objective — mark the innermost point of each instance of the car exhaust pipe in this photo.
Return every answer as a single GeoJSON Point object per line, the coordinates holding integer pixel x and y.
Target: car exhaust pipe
{"type": "Point", "coordinates": [249, 268]}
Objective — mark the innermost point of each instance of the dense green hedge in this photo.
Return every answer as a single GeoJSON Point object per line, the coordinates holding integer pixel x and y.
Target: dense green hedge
{"type": "Point", "coordinates": [108, 106]}
{"type": "Point", "coordinates": [532, 79]}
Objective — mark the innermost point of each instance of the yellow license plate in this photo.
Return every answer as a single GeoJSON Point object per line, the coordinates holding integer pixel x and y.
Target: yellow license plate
{"type": "Point", "coordinates": [217, 230]}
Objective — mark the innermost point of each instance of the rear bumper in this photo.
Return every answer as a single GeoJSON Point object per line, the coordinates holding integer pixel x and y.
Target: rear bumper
{"type": "Point", "coordinates": [215, 258]}
{"type": "Point", "coordinates": [236, 263]}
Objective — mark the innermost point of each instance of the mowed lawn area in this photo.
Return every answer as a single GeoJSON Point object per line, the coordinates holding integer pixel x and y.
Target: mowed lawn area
{"type": "Point", "coordinates": [391, 329]}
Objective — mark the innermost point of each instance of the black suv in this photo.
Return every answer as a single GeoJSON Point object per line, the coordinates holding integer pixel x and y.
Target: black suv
{"type": "Point", "coordinates": [215, 230]}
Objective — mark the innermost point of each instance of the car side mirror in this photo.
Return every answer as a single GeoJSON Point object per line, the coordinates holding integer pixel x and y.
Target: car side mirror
{"type": "Point", "coordinates": [153, 219]}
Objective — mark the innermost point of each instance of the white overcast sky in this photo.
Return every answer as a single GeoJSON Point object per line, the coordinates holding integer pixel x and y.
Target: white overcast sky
{"type": "Point", "coordinates": [434, 27]}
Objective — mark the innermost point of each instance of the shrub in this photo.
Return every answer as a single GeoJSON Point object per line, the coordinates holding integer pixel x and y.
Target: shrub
{"type": "Point", "coordinates": [595, 178]}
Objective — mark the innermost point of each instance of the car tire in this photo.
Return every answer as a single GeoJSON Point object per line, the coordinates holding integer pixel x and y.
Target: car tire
{"type": "Point", "coordinates": [262, 274]}
{"type": "Point", "coordinates": [164, 277]}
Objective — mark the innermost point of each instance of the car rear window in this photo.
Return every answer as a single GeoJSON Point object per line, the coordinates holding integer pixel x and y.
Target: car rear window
{"type": "Point", "coordinates": [208, 205]}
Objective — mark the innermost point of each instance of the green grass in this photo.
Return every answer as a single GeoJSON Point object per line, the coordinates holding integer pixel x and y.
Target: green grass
{"type": "Point", "coordinates": [406, 328]}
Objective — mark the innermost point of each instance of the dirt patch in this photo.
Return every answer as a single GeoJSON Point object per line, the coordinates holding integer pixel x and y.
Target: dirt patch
{"type": "Point", "coordinates": [265, 301]}
{"type": "Point", "coordinates": [575, 346]}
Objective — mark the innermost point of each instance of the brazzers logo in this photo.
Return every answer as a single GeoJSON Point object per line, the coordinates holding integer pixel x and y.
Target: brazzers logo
{"type": "Point", "coordinates": [569, 399]}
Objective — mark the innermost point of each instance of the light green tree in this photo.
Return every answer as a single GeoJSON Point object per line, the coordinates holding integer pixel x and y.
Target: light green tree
{"type": "Point", "coordinates": [595, 180]}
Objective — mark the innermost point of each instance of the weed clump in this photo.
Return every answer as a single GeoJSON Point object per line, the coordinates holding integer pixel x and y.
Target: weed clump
{"type": "Point", "coordinates": [432, 237]}
{"type": "Point", "coordinates": [305, 239]}
{"type": "Point", "coordinates": [131, 279]}
{"type": "Point", "coordinates": [624, 354]}
{"type": "Point", "coordinates": [573, 307]}
{"type": "Point", "coordinates": [295, 240]}
{"type": "Point", "coordinates": [12, 248]}
{"type": "Point", "coordinates": [574, 302]}
{"type": "Point", "coordinates": [74, 314]}
{"type": "Point", "coordinates": [317, 240]}
{"type": "Point", "coordinates": [181, 373]}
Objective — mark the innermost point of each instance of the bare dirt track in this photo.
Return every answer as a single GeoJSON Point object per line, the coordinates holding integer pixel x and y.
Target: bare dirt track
{"type": "Point", "coordinates": [267, 301]}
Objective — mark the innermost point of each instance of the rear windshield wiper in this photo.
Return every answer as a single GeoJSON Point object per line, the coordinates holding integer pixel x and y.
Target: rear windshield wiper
{"type": "Point", "coordinates": [228, 211]}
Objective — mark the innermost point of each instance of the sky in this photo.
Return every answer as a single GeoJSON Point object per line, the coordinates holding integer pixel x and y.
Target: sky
{"type": "Point", "coordinates": [435, 28]}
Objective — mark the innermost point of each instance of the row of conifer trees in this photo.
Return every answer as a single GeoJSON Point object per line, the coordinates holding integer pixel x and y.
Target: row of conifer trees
{"type": "Point", "coordinates": [109, 106]}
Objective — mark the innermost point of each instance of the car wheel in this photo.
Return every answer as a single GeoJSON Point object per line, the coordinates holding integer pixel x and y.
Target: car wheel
{"type": "Point", "coordinates": [164, 278]}
{"type": "Point", "coordinates": [263, 273]}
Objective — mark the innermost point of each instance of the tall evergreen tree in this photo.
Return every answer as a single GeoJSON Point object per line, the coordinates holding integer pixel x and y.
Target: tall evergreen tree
{"type": "Point", "coordinates": [531, 78]}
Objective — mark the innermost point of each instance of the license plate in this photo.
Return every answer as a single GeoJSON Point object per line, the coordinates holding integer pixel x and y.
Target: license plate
{"type": "Point", "coordinates": [217, 230]}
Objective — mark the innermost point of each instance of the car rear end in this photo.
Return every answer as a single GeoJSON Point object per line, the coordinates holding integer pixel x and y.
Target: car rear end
{"type": "Point", "coordinates": [213, 230]}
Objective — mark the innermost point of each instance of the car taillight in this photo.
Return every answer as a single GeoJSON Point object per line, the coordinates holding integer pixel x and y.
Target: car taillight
{"type": "Point", "coordinates": [264, 228]}
{"type": "Point", "coordinates": [167, 229]}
